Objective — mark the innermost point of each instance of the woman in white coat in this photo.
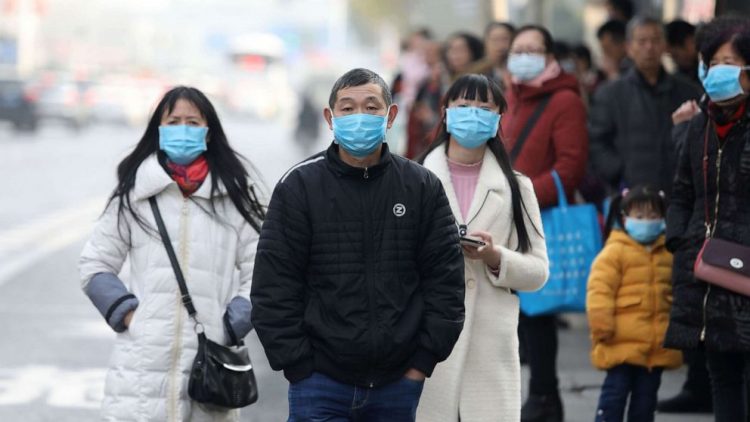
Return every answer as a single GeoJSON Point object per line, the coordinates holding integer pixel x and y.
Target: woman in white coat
{"type": "Point", "coordinates": [212, 216]}
{"type": "Point", "coordinates": [481, 380]}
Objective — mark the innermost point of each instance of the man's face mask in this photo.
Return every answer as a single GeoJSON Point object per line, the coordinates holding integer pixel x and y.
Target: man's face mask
{"type": "Point", "coordinates": [359, 134]}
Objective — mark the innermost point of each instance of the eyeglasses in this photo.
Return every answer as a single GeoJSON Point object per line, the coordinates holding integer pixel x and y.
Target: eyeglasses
{"type": "Point", "coordinates": [528, 51]}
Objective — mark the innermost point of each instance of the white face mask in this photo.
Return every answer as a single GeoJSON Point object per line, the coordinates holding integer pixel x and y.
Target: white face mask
{"type": "Point", "coordinates": [526, 67]}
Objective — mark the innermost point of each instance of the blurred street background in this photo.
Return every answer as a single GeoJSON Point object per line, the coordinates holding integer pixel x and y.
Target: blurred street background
{"type": "Point", "coordinates": [79, 78]}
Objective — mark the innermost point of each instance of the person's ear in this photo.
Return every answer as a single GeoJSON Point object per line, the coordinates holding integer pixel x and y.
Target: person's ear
{"type": "Point", "coordinates": [328, 115]}
{"type": "Point", "coordinates": [392, 113]}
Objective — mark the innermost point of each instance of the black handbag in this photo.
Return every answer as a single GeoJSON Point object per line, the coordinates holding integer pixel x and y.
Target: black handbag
{"type": "Point", "coordinates": [221, 376]}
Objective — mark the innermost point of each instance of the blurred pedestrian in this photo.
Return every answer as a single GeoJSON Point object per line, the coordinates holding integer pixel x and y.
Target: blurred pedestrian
{"type": "Point", "coordinates": [710, 200]}
{"type": "Point", "coordinates": [615, 60]}
{"type": "Point", "coordinates": [460, 51]}
{"type": "Point", "coordinates": [358, 289]}
{"type": "Point", "coordinates": [628, 299]}
{"type": "Point", "coordinates": [695, 394]}
{"type": "Point", "coordinates": [545, 130]}
{"type": "Point", "coordinates": [681, 46]}
{"type": "Point", "coordinates": [494, 65]}
{"type": "Point", "coordinates": [212, 215]}
{"type": "Point", "coordinates": [481, 380]}
{"type": "Point", "coordinates": [622, 10]}
{"type": "Point", "coordinates": [589, 76]}
{"type": "Point", "coordinates": [423, 115]}
{"type": "Point", "coordinates": [413, 68]}
{"type": "Point", "coordinates": [630, 122]}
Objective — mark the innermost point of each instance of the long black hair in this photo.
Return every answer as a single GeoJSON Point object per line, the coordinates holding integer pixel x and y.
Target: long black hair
{"type": "Point", "coordinates": [224, 163]}
{"type": "Point", "coordinates": [622, 203]}
{"type": "Point", "coordinates": [471, 87]}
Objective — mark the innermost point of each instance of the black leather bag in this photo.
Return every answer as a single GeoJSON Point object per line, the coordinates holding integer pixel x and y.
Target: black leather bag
{"type": "Point", "coordinates": [221, 376]}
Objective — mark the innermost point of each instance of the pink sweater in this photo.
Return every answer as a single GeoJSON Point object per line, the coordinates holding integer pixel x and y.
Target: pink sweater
{"type": "Point", "coordinates": [464, 178]}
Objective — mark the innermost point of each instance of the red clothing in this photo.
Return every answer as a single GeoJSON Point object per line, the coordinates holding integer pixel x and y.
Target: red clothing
{"type": "Point", "coordinates": [559, 140]}
{"type": "Point", "coordinates": [189, 177]}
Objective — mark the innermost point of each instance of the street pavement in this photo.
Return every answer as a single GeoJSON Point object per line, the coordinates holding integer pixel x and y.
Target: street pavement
{"type": "Point", "coordinates": [55, 346]}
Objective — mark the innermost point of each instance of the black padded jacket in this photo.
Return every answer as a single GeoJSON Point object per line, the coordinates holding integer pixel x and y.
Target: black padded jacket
{"type": "Point", "coordinates": [359, 272]}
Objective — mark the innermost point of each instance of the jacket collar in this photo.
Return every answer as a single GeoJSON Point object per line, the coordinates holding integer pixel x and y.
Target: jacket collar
{"type": "Point", "coordinates": [151, 179]}
{"type": "Point", "coordinates": [663, 84]}
{"type": "Point", "coordinates": [343, 169]}
{"type": "Point", "coordinates": [491, 179]}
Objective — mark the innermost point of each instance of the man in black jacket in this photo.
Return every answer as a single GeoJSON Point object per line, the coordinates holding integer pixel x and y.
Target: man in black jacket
{"type": "Point", "coordinates": [630, 125]}
{"type": "Point", "coordinates": [358, 289]}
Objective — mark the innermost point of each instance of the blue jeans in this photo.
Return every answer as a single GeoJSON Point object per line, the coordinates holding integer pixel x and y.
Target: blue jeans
{"type": "Point", "coordinates": [319, 398]}
{"type": "Point", "coordinates": [626, 380]}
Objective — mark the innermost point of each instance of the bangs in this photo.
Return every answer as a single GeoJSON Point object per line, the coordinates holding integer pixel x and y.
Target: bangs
{"type": "Point", "coordinates": [645, 197]}
{"type": "Point", "coordinates": [476, 87]}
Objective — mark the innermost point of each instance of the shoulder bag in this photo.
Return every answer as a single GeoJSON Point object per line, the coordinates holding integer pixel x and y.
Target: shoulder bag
{"type": "Point", "coordinates": [720, 262]}
{"type": "Point", "coordinates": [221, 376]}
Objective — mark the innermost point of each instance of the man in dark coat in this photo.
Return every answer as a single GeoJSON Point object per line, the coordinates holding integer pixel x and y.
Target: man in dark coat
{"type": "Point", "coordinates": [630, 125]}
{"type": "Point", "coordinates": [358, 288]}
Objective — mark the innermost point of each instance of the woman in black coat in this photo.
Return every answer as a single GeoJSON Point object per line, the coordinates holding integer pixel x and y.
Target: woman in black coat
{"type": "Point", "coordinates": [704, 313]}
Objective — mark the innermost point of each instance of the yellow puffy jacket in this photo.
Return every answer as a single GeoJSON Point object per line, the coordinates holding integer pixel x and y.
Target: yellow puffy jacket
{"type": "Point", "coordinates": [628, 298]}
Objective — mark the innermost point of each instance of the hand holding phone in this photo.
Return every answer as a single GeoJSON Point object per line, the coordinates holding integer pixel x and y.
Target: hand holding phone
{"type": "Point", "coordinates": [472, 242]}
{"type": "Point", "coordinates": [479, 245]}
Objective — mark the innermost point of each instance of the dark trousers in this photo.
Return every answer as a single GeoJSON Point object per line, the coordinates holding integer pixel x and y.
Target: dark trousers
{"type": "Point", "coordinates": [729, 375]}
{"type": "Point", "coordinates": [697, 382]}
{"type": "Point", "coordinates": [539, 334]}
{"type": "Point", "coordinates": [321, 398]}
{"type": "Point", "coordinates": [636, 382]}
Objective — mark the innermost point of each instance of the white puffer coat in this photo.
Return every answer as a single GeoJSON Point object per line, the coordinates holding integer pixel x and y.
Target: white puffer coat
{"type": "Point", "coordinates": [148, 375]}
{"type": "Point", "coordinates": [481, 379]}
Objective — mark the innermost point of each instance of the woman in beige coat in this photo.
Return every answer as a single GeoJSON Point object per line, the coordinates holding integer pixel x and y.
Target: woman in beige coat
{"type": "Point", "coordinates": [481, 380]}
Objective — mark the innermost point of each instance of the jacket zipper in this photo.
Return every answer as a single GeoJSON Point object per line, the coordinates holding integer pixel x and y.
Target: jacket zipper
{"type": "Point", "coordinates": [710, 232]}
{"type": "Point", "coordinates": [366, 242]}
{"type": "Point", "coordinates": [366, 175]}
{"type": "Point", "coordinates": [177, 347]}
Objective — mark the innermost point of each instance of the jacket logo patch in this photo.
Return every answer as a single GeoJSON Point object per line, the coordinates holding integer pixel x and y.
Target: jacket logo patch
{"type": "Point", "coordinates": [399, 210]}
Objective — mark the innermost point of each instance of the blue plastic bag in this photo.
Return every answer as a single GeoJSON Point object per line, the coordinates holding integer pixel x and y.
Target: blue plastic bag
{"type": "Point", "coordinates": [573, 238]}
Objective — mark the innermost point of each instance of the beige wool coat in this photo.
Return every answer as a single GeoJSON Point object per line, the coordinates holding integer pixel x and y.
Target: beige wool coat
{"type": "Point", "coordinates": [481, 379]}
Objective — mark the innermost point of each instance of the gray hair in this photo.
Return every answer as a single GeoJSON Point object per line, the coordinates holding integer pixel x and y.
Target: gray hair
{"type": "Point", "coordinates": [359, 77]}
{"type": "Point", "coordinates": [640, 22]}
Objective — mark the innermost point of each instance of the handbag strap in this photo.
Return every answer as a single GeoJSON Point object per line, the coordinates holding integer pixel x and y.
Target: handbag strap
{"type": "Point", "coordinates": [528, 127]}
{"type": "Point", "coordinates": [562, 199]}
{"type": "Point", "coordinates": [186, 299]}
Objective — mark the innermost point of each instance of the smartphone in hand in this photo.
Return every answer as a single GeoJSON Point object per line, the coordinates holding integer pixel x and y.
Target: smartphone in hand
{"type": "Point", "coordinates": [471, 241]}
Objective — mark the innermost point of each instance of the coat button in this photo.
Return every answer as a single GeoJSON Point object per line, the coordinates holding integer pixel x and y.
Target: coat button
{"type": "Point", "coordinates": [470, 283]}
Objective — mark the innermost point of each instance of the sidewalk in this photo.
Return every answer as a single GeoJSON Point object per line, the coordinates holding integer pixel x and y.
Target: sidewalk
{"type": "Point", "coordinates": [580, 382]}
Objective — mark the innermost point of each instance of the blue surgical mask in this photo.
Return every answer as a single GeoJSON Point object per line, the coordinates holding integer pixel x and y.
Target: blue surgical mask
{"type": "Point", "coordinates": [723, 82]}
{"type": "Point", "coordinates": [360, 134]}
{"type": "Point", "coordinates": [526, 67]}
{"type": "Point", "coordinates": [182, 143]}
{"type": "Point", "coordinates": [702, 71]}
{"type": "Point", "coordinates": [644, 231]}
{"type": "Point", "coordinates": [471, 126]}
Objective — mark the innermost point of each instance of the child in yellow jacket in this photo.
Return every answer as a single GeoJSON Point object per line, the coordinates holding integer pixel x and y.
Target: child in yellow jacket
{"type": "Point", "coordinates": [629, 295]}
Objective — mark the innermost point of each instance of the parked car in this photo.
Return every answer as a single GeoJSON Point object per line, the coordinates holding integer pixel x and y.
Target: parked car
{"type": "Point", "coordinates": [17, 104]}
{"type": "Point", "coordinates": [67, 102]}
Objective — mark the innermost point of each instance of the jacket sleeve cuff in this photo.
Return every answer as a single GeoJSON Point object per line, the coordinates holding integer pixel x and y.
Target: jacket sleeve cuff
{"type": "Point", "coordinates": [424, 361]}
{"type": "Point", "coordinates": [110, 296]}
{"type": "Point", "coordinates": [497, 277]}
{"type": "Point", "coordinates": [299, 371]}
{"type": "Point", "coordinates": [119, 310]}
{"type": "Point", "coordinates": [237, 319]}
